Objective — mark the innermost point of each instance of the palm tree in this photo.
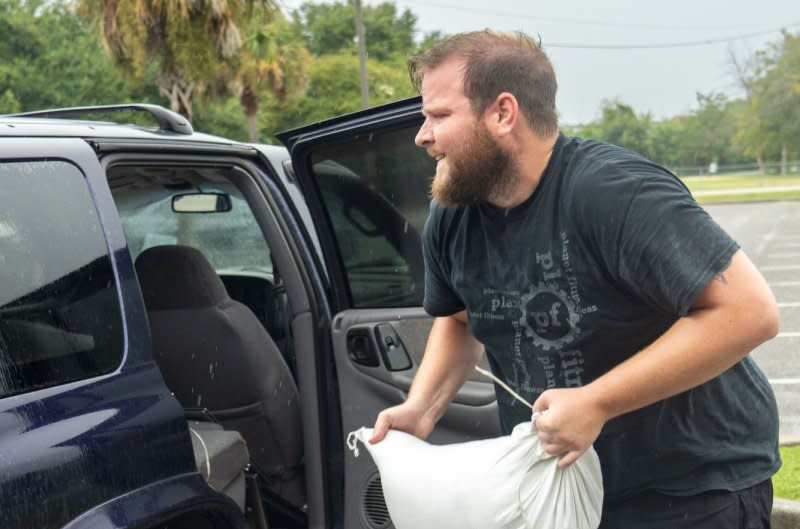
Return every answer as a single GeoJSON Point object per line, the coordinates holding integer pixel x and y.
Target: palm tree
{"type": "Point", "coordinates": [188, 41]}
{"type": "Point", "coordinates": [273, 60]}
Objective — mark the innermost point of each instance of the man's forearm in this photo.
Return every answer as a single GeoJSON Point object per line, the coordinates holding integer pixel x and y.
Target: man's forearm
{"type": "Point", "coordinates": [727, 321]}
{"type": "Point", "coordinates": [686, 356]}
{"type": "Point", "coordinates": [450, 356]}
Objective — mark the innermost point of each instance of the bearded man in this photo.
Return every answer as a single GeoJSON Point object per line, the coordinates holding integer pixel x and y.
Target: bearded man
{"type": "Point", "coordinates": [627, 315]}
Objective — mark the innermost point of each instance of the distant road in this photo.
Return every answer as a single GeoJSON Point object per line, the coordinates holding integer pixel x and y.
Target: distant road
{"type": "Point", "coordinates": [769, 233]}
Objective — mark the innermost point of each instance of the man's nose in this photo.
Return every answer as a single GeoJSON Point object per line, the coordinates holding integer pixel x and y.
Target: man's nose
{"type": "Point", "coordinates": [424, 136]}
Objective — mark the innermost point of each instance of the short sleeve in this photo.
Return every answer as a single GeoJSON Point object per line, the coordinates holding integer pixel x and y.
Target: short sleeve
{"type": "Point", "coordinates": [440, 297]}
{"type": "Point", "coordinates": [659, 244]}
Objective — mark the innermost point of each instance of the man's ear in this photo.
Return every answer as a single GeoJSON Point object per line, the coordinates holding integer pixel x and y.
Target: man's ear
{"type": "Point", "coordinates": [503, 114]}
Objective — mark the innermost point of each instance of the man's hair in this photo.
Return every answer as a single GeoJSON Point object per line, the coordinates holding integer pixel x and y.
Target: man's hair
{"type": "Point", "coordinates": [498, 62]}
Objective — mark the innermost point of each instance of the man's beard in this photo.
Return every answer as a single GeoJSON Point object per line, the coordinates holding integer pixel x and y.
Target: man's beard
{"type": "Point", "coordinates": [478, 172]}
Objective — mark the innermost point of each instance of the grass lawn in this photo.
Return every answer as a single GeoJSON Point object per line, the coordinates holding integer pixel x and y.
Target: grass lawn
{"type": "Point", "coordinates": [787, 480]}
{"type": "Point", "coordinates": [728, 181]}
{"type": "Point", "coordinates": [711, 189]}
{"type": "Point", "coordinates": [749, 197]}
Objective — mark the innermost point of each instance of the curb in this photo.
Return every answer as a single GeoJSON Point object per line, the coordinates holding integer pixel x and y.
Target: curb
{"type": "Point", "coordinates": [785, 514]}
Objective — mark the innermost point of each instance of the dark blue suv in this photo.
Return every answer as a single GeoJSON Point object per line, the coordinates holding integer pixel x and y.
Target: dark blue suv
{"type": "Point", "coordinates": [190, 326]}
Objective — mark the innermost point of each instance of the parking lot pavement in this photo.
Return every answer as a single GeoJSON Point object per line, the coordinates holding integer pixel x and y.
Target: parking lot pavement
{"type": "Point", "coordinates": [769, 233]}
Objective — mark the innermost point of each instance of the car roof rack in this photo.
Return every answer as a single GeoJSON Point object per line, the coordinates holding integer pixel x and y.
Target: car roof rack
{"type": "Point", "coordinates": [168, 121]}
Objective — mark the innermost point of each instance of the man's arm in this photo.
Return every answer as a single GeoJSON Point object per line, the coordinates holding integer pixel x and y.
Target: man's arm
{"type": "Point", "coordinates": [450, 356]}
{"type": "Point", "coordinates": [735, 313]}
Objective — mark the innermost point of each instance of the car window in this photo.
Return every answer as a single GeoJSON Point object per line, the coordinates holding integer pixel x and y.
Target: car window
{"type": "Point", "coordinates": [60, 318]}
{"type": "Point", "coordinates": [231, 240]}
{"type": "Point", "coordinates": [375, 192]}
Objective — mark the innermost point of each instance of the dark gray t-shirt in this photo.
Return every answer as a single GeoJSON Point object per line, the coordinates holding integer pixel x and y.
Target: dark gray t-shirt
{"type": "Point", "coordinates": [605, 256]}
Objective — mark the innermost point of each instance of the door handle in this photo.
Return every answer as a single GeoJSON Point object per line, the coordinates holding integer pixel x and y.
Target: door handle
{"type": "Point", "coordinates": [361, 349]}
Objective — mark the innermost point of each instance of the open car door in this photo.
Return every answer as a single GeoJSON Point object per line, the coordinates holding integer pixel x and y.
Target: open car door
{"type": "Point", "coordinates": [366, 185]}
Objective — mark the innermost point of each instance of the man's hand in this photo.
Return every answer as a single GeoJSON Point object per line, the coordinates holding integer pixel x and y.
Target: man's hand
{"type": "Point", "coordinates": [405, 417]}
{"type": "Point", "coordinates": [728, 319]}
{"type": "Point", "coordinates": [449, 358]}
{"type": "Point", "coordinates": [571, 424]}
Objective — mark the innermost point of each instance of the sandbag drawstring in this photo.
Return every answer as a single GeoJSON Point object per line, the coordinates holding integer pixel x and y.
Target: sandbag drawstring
{"type": "Point", "coordinates": [503, 385]}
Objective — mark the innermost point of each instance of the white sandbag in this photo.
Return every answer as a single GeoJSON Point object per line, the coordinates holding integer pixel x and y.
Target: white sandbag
{"type": "Point", "coordinates": [507, 482]}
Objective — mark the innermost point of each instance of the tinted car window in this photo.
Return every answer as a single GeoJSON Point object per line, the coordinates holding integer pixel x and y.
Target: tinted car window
{"type": "Point", "coordinates": [375, 192]}
{"type": "Point", "coordinates": [59, 311]}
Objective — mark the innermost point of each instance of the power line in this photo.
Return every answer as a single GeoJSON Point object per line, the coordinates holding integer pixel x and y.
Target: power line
{"type": "Point", "coordinates": [569, 20]}
{"type": "Point", "coordinates": [568, 45]}
{"type": "Point", "coordinates": [686, 44]}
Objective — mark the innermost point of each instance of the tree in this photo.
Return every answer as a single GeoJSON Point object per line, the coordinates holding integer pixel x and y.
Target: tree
{"type": "Point", "coordinates": [273, 61]}
{"type": "Point", "coordinates": [711, 129]}
{"type": "Point", "coordinates": [188, 40]}
{"type": "Point", "coordinates": [666, 142]}
{"type": "Point", "coordinates": [330, 28]}
{"type": "Point", "coordinates": [769, 125]}
{"type": "Point", "coordinates": [52, 59]}
{"type": "Point", "coordinates": [620, 125]}
{"type": "Point", "coordinates": [333, 89]}
{"type": "Point", "coordinates": [428, 41]}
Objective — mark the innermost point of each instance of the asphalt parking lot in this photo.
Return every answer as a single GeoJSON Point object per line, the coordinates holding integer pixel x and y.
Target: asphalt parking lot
{"type": "Point", "coordinates": [769, 233]}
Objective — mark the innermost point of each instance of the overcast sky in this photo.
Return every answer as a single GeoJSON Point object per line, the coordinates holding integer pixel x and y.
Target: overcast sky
{"type": "Point", "coordinates": [661, 80]}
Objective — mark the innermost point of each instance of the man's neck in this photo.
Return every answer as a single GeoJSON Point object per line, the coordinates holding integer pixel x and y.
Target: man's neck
{"type": "Point", "coordinates": [532, 161]}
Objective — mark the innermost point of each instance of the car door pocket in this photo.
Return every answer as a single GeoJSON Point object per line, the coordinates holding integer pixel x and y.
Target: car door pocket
{"type": "Point", "coordinates": [394, 353]}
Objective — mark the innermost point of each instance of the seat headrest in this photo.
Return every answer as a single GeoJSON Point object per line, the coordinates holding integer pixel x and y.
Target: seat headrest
{"type": "Point", "coordinates": [178, 277]}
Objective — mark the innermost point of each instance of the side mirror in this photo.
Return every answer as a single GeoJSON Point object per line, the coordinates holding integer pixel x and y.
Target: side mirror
{"type": "Point", "coordinates": [201, 203]}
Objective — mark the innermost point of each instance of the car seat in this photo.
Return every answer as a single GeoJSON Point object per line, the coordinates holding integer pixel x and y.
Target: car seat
{"type": "Point", "coordinates": [215, 355]}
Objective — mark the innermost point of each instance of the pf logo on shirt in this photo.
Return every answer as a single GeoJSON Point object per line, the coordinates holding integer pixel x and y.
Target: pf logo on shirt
{"type": "Point", "coordinates": [549, 317]}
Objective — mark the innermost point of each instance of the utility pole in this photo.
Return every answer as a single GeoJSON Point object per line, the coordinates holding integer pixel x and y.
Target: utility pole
{"type": "Point", "coordinates": [362, 55]}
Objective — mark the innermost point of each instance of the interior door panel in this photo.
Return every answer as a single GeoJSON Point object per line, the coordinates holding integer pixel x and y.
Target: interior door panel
{"type": "Point", "coordinates": [365, 390]}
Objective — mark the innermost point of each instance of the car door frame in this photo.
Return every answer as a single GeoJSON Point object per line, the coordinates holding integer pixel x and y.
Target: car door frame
{"type": "Point", "coordinates": [474, 413]}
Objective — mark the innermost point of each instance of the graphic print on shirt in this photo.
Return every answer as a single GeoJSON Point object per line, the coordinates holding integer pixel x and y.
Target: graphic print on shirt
{"type": "Point", "coordinates": [544, 319]}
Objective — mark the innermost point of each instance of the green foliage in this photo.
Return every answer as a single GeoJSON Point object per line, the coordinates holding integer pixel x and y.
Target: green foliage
{"type": "Point", "coordinates": [222, 117]}
{"type": "Point", "coordinates": [770, 119]}
{"type": "Point", "coordinates": [428, 41]}
{"type": "Point", "coordinates": [193, 42]}
{"type": "Point", "coordinates": [710, 130]}
{"type": "Point", "coordinates": [273, 56]}
{"type": "Point", "coordinates": [333, 89]}
{"type": "Point", "coordinates": [787, 480]}
{"type": "Point", "coordinates": [55, 61]}
{"type": "Point", "coordinates": [16, 32]}
{"type": "Point", "coordinates": [697, 139]}
{"type": "Point", "coordinates": [272, 66]}
{"type": "Point", "coordinates": [9, 103]}
{"type": "Point", "coordinates": [330, 28]}
{"type": "Point", "coordinates": [621, 126]}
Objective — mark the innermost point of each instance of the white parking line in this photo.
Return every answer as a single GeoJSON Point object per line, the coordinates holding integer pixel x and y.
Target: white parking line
{"type": "Point", "coordinates": [789, 305]}
{"type": "Point", "coordinates": [781, 267]}
{"type": "Point", "coordinates": [783, 254]}
{"type": "Point", "coordinates": [783, 381]}
{"type": "Point", "coordinates": [785, 284]}
{"type": "Point", "coordinates": [788, 335]}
